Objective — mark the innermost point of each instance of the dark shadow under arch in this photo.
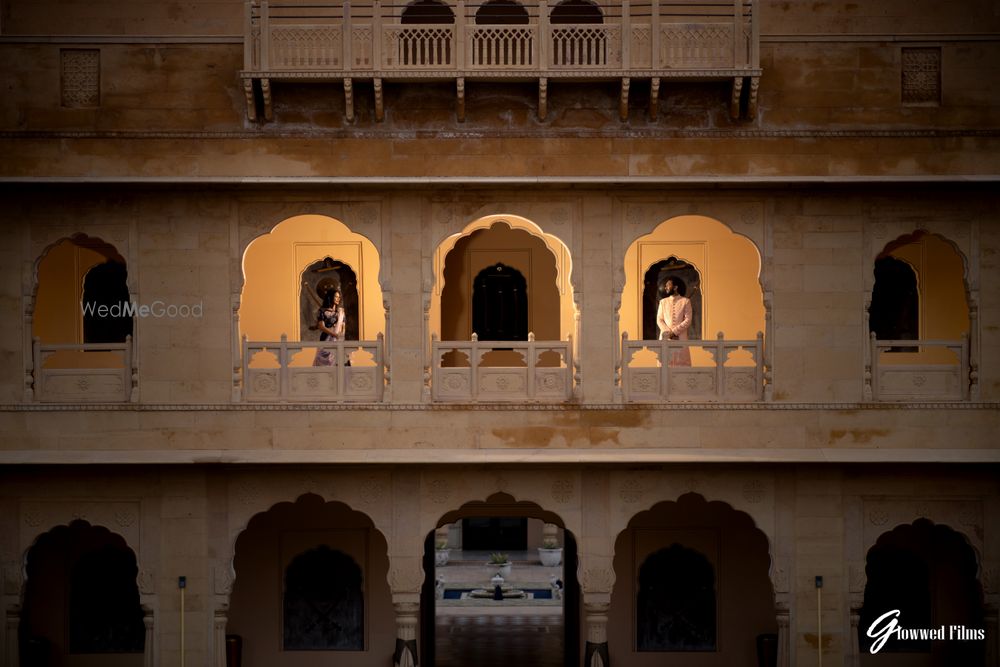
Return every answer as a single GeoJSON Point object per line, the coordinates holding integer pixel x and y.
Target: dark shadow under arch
{"type": "Point", "coordinates": [676, 605]}
{"type": "Point", "coordinates": [427, 12]}
{"type": "Point", "coordinates": [929, 573]}
{"type": "Point", "coordinates": [576, 12]}
{"type": "Point", "coordinates": [323, 602]}
{"type": "Point", "coordinates": [106, 285]}
{"type": "Point", "coordinates": [502, 12]}
{"type": "Point", "coordinates": [80, 597]}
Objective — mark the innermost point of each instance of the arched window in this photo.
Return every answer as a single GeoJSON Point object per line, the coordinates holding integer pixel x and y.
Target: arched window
{"type": "Point", "coordinates": [500, 304]}
{"type": "Point", "coordinates": [105, 287]}
{"type": "Point", "coordinates": [928, 572]}
{"type": "Point", "coordinates": [426, 12]}
{"type": "Point", "coordinates": [501, 12]}
{"type": "Point", "coordinates": [81, 597]}
{"type": "Point", "coordinates": [675, 604]}
{"type": "Point", "coordinates": [576, 12]}
{"type": "Point", "coordinates": [323, 602]}
{"type": "Point", "coordinates": [104, 611]}
{"type": "Point", "coordinates": [652, 293]}
{"type": "Point", "coordinates": [320, 277]}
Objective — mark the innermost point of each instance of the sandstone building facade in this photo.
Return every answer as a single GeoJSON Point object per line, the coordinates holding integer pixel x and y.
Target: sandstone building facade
{"type": "Point", "coordinates": [499, 189]}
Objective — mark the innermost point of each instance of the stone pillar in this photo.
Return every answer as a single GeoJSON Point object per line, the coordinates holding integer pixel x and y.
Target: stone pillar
{"type": "Point", "coordinates": [855, 655]}
{"type": "Point", "coordinates": [784, 637]}
{"type": "Point", "coordinates": [149, 646]}
{"type": "Point", "coordinates": [405, 654]}
{"type": "Point", "coordinates": [12, 618]}
{"type": "Point", "coordinates": [596, 618]}
{"type": "Point", "coordinates": [992, 619]}
{"type": "Point", "coordinates": [219, 635]}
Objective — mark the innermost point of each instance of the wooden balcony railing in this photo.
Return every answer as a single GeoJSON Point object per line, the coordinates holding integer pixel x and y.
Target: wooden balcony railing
{"type": "Point", "coordinates": [83, 372]}
{"type": "Point", "coordinates": [918, 370]}
{"type": "Point", "coordinates": [471, 371]}
{"type": "Point", "coordinates": [378, 40]}
{"type": "Point", "coordinates": [696, 370]}
{"type": "Point", "coordinates": [283, 371]}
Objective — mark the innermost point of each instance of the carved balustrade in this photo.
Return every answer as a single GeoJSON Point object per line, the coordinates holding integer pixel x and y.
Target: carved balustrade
{"type": "Point", "coordinates": [918, 370]}
{"type": "Point", "coordinates": [475, 370]}
{"type": "Point", "coordinates": [83, 372]}
{"type": "Point", "coordinates": [371, 39]}
{"type": "Point", "coordinates": [283, 371]}
{"type": "Point", "coordinates": [695, 370]}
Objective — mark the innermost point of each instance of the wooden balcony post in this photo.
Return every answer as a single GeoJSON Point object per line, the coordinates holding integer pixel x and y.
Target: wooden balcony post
{"type": "Point", "coordinates": [626, 35]}
{"type": "Point", "coordinates": [654, 36]}
{"type": "Point", "coordinates": [348, 37]}
{"type": "Point", "coordinates": [377, 35]}
{"type": "Point", "coordinates": [738, 57]}
{"type": "Point", "coordinates": [460, 36]}
{"type": "Point", "coordinates": [248, 36]}
{"type": "Point", "coordinates": [265, 36]}
{"type": "Point", "coordinates": [543, 35]}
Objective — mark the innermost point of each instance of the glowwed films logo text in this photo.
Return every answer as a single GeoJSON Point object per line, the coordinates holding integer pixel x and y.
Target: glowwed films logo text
{"type": "Point", "coordinates": [887, 625]}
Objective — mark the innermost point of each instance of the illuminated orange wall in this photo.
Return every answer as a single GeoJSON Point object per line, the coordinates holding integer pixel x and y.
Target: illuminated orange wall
{"type": "Point", "coordinates": [729, 266]}
{"type": "Point", "coordinates": [273, 266]}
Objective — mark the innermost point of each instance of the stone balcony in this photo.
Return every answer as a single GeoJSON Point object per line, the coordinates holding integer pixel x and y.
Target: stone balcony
{"type": "Point", "coordinates": [369, 40]}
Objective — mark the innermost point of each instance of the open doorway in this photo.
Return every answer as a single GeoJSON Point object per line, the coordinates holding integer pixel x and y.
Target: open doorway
{"type": "Point", "coordinates": [500, 588]}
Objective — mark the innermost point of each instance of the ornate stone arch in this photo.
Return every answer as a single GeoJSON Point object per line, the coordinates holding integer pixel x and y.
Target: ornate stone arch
{"type": "Point", "coordinates": [120, 519]}
{"type": "Point", "coordinates": [259, 220]}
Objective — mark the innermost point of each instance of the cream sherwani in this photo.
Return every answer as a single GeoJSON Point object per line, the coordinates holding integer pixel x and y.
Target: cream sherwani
{"type": "Point", "coordinates": [674, 317]}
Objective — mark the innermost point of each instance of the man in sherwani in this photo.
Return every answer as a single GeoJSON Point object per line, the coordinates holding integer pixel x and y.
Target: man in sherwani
{"type": "Point", "coordinates": [673, 317]}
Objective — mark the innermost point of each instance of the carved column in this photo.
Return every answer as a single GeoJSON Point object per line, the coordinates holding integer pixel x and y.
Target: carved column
{"type": "Point", "coordinates": [855, 654]}
{"type": "Point", "coordinates": [992, 637]}
{"type": "Point", "coordinates": [149, 646]}
{"type": "Point", "coordinates": [596, 617]}
{"type": "Point", "coordinates": [784, 638]}
{"type": "Point", "coordinates": [405, 654]}
{"type": "Point", "coordinates": [550, 531]}
{"type": "Point", "coordinates": [219, 635]}
{"type": "Point", "coordinates": [11, 621]}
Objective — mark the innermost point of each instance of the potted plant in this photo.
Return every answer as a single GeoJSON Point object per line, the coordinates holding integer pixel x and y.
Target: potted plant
{"type": "Point", "coordinates": [441, 553]}
{"type": "Point", "coordinates": [501, 563]}
{"type": "Point", "coordinates": [550, 553]}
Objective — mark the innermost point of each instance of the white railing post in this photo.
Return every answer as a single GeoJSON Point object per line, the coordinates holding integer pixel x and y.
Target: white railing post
{"type": "Point", "coordinates": [127, 370]}
{"type": "Point", "coordinates": [38, 374]}
{"type": "Point", "coordinates": [283, 367]}
{"type": "Point", "coordinates": [474, 365]}
{"type": "Point", "coordinates": [246, 365]}
{"type": "Point", "coordinates": [265, 36]}
{"type": "Point", "coordinates": [873, 348]}
{"type": "Point", "coordinates": [759, 362]}
{"type": "Point", "coordinates": [531, 365]}
{"type": "Point", "coordinates": [340, 360]}
{"type": "Point", "coordinates": [720, 361]}
{"type": "Point", "coordinates": [379, 367]}
{"type": "Point", "coordinates": [664, 353]}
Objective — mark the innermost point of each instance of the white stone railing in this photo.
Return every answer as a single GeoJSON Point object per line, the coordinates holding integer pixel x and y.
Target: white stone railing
{"type": "Point", "coordinates": [475, 370]}
{"type": "Point", "coordinates": [367, 38]}
{"type": "Point", "coordinates": [938, 370]}
{"type": "Point", "coordinates": [68, 372]}
{"type": "Point", "coordinates": [715, 374]}
{"type": "Point", "coordinates": [283, 372]}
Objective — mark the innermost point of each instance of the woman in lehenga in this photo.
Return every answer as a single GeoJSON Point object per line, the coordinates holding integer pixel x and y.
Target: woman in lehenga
{"type": "Point", "coordinates": [330, 322]}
